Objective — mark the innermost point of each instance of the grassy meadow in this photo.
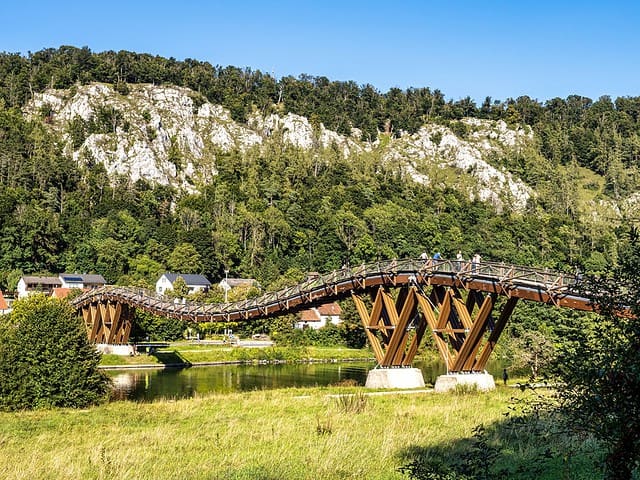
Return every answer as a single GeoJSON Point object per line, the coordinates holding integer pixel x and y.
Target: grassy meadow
{"type": "Point", "coordinates": [318, 433]}
{"type": "Point", "coordinates": [193, 353]}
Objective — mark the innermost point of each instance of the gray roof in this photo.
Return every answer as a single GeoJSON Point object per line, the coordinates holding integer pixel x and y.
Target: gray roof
{"type": "Point", "coordinates": [83, 277]}
{"type": "Point", "coordinates": [240, 282]}
{"type": "Point", "coordinates": [190, 279]}
{"type": "Point", "coordinates": [34, 280]}
{"type": "Point", "coordinates": [93, 278]}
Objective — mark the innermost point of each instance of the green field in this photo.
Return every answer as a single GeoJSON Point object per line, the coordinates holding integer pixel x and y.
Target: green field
{"type": "Point", "coordinates": [193, 353]}
{"type": "Point", "coordinates": [315, 433]}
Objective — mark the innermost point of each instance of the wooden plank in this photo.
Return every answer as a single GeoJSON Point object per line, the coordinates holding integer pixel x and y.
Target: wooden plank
{"type": "Point", "coordinates": [444, 311]}
{"type": "Point", "coordinates": [114, 310]}
{"type": "Point", "coordinates": [395, 348]}
{"type": "Point", "coordinates": [96, 322]}
{"type": "Point", "coordinates": [466, 355]}
{"type": "Point", "coordinates": [364, 316]}
{"type": "Point", "coordinates": [415, 341]}
{"type": "Point", "coordinates": [376, 308]}
{"type": "Point", "coordinates": [507, 310]}
{"type": "Point", "coordinates": [408, 312]}
{"type": "Point", "coordinates": [463, 313]}
{"type": "Point", "coordinates": [430, 317]}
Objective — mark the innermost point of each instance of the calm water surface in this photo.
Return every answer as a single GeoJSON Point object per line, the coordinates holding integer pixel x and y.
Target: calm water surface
{"type": "Point", "coordinates": [151, 384]}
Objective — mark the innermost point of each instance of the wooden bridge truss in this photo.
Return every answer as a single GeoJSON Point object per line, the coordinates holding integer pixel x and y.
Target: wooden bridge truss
{"type": "Point", "coordinates": [395, 328]}
{"type": "Point", "coordinates": [108, 321]}
{"type": "Point", "coordinates": [464, 306]}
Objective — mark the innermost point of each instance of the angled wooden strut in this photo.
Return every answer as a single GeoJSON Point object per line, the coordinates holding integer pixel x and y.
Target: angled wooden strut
{"type": "Point", "coordinates": [460, 331]}
{"type": "Point", "coordinates": [394, 328]}
{"type": "Point", "coordinates": [108, 322]}
{"type": "Point", "coordinates": [459, 327]}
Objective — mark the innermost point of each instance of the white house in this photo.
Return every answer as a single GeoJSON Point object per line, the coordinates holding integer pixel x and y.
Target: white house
{"type": "Point", "coordinates": [319, 317]}
{"type": "Point", "coordinates": [195, 283]}
{"type": "Point", "coordinates": [30, 284]}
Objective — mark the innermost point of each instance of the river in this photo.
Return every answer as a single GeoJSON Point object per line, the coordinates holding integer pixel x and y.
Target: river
{"type": "Point", "coordinates": [173, 383]}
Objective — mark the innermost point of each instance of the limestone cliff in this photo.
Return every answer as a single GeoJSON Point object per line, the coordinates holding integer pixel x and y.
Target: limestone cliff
{"type": "Point", "coordinates": [171, 135]}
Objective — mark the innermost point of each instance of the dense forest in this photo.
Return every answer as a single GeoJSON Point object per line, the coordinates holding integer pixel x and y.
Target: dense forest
{"type": "Point", "coordinates": [276, 215]}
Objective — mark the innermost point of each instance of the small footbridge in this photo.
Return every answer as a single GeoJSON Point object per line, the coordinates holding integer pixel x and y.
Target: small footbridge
{"type": "Point", "coordinates": [465, 306]}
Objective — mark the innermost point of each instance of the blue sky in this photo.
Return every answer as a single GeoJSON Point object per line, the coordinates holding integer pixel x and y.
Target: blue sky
{"type": "Point", "coordinates": [502, 49]}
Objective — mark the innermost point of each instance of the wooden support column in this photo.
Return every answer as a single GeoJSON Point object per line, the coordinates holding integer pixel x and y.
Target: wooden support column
{"type": "Point", "coordinates": [507, 310]}
{"type": "Point", "coordinates": [108, 322]}
{"type": "Point", "coordinates": [467, 354]}
{"type": "Point", "coordinates": [458, 330]}
{"type": "Point", "coordinates": [392, 319]}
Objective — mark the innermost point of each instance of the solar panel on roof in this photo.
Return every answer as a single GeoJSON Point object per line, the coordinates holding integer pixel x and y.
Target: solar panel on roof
{"type": "Point", "coordinates": [72, 279]}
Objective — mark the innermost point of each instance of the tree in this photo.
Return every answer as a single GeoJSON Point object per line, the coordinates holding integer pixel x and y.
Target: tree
{"type": "Point", "coordinates": [599, 366]}
{"type": "Point", "coordinates": [180, 287]}
{"type": "Point", "coordinates": [185, 259]}
{"type": "Point", "coordinates": [46, 359]}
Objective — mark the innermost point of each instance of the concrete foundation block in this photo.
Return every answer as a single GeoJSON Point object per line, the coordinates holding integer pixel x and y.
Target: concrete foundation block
{"type": "Point", "coordinates": [481, 381]}
{"type": "Point", "coordinates": [124, 350]}
{"type": "Point", "coordinates": [395, 378]}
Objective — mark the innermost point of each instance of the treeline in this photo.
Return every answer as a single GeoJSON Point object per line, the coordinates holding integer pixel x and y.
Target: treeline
{"type": "Point", "coordinates": [276, 213]}
{"type": "Point", "coordinates": [271, 214]}
{"type": "Point", "coordinates": [602, 135]}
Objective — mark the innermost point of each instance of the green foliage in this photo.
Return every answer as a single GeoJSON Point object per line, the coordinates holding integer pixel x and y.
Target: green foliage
{"type": "Point", "coordinates": [185, 259]}
{"type": "Point", "coordinates": [149, 327]}
{"type": "Point", "coordinates": [45, 358]}
{"type": "Point", "coordinates": [598, 365]}
{"type": "Point", "coordinates": [180, 288]}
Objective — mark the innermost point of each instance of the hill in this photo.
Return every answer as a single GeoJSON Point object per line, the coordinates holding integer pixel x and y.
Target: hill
{"type": "Point", "coordinates": [128, 164]}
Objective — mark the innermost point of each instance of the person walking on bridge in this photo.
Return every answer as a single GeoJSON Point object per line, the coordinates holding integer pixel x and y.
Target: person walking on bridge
{"type": "Point", "coordinates": [475, 262]}
{"type": "Point", "coordinates": [459, 261]}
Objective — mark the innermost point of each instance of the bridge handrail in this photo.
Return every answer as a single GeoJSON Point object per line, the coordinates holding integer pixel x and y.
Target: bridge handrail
{"type": "Point", "coordinates": [325, 285]}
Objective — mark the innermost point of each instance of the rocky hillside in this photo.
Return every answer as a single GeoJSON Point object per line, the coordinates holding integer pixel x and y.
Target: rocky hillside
{"type": "Point", "coordinates": [172, 136]}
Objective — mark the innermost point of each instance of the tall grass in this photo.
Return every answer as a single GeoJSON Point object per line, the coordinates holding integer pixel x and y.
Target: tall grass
{"type": "Point", "coordinates": [281, 434]}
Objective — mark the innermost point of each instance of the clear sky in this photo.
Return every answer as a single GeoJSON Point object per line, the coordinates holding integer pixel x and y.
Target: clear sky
{"type": "Point", "coordinates": [502, 49]}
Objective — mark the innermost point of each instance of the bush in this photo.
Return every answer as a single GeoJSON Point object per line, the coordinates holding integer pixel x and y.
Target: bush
{"type": "Point", "coordinates": [46, 359]}
{"type": "Point", "coordinates": [147, 326]}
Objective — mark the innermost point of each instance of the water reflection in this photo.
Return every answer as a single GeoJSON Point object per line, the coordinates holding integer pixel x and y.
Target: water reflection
{"type": "Point", "coordinates": [150, 384]}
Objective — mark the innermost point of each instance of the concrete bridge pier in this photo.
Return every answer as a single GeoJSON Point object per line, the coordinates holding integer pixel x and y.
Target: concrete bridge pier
{"type": "Point", "coordinates": [395, 378]}
{"type": "Point", "coordinates": [481, 381]}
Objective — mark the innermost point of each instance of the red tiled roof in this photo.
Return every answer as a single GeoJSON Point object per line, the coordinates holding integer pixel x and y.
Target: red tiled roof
{"type": "Point", "coordinates": [60, 292]}
{"type": "Point", "coordinates": [309, 316]}
{"type": "Point", "coordinates": [3, 302]}
{"type": "Point", "coordinates": [332, 309]}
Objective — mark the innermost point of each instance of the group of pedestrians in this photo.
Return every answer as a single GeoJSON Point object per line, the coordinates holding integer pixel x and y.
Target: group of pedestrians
{"type": "Point", "coordinates": [475, 260]}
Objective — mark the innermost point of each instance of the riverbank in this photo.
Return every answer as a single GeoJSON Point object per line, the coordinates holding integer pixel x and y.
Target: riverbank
{"type": "Point", "coordinates": [183, 354]}
{"type": "Point", "coordinates": [286, 434]}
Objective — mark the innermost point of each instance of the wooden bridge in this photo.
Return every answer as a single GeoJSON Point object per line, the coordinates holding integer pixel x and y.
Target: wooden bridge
{"type": "Point", "coordinates": [465, 306]}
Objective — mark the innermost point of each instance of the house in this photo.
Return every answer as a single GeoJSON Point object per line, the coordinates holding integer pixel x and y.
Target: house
{"type": "Point", "coordinates": [4, 307]}
{"type": "Point", "coordinates": [195, 282]}
{"type": "Point", "coordinates": [230, 283]}
{"type": "Point", "coordinates": [30, 284]}
{"type": "Point", "coordinates": [82, 280]}
{"type": "Point", "coordinates": [320, 316]}
{"type": "Point", "coordinates": [62, 292]}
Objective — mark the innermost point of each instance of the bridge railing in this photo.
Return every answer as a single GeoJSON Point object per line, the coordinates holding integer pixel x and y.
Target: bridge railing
{"type": "Point", "coordinates": [505, 274]}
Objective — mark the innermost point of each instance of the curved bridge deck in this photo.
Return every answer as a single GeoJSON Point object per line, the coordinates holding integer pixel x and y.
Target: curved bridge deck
{"type": "Point", "coordinates": [539, 285]}
{"type": "Point", "coordinates": [456, 301]}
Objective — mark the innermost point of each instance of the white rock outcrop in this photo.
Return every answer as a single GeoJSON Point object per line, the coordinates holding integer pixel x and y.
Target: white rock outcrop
{"type": "Point", "coordinates": [171, 136]}
{"type": "Point", "coordinates": [437, 146]}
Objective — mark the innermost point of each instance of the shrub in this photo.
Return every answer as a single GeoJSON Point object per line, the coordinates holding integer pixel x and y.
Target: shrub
{"type": "Point", "coordinates": [46, 359]}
